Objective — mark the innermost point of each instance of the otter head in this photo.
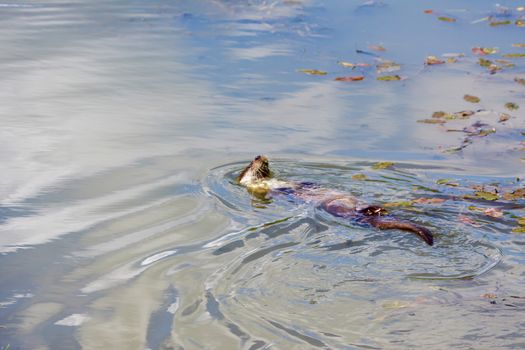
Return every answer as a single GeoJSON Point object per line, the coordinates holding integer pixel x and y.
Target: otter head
{"type": "Point", "coordinates": [257, 170]}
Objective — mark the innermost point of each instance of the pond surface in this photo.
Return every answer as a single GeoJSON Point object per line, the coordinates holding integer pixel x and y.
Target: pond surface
{"type": "Point", "coordinates": [125, 124]}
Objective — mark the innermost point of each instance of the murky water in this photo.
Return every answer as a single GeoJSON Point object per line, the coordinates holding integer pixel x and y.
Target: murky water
{"type": "Point", "coordinates": [124, 125]}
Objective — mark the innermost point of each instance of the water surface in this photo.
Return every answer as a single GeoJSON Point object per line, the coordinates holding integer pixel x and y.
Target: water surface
{"type": "Point", "coordinates": [124, 125]}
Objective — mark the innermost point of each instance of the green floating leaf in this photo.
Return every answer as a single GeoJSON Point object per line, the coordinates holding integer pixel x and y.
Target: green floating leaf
{"type": "Point", "coordinates": [447, 19]}
{"type": "Point", "coordinates": [511, 106]}
{"type": "Point", "coordinates": [432, 121]}
{"type": "Point", "coordinates": [359, 177]}
{"type": "Point", "coordinates": [389, 78]}
{"type": "Point", "coordinates": [489, 196]}
{"type": "Point", "coordinates": [500, 23]}
{"type": "Point", "coordinates": [383, 165]}
{"type": "Point", "coordinates": [484, 62]}
{"type": "Point", "coordinates": [471, 98]}
{"type": "Point", "coordinates": [519, 229]}
{"type": "Point", "coordinates": [514, 55]}
{"type": "Point", "coordinates": [398, 204]}
{"type": "Point", "coordinates": [447, 182]}
{"type": "Point", "coordinates": [313, 71]}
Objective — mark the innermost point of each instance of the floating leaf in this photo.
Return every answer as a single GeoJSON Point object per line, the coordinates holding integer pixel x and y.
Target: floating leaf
{"type": "Point", "coordinates": [429, 200]}
{"type": "Point", "coordinates": [313, 71]}
{"type": "Point", "coordinates": [383, 165]}
{"type": "Point", "coordinates": [396, 304]}
{"type": "Point", "coordinates": [439, 114]}
{"type": "Point", "coordinates": [398, 204]}
{"type": "Point", "coordinates": [484, 62]}
{"type": "Point", "coordinates": [515, 195]}
{"type": "Point", "coordinates": [432, 121]}
{"type": "Point", "coordinates": [428, 12]}
{"type": "Point", "coordinates": [506, 63]}
{"type": "Point", "coordinates": [520, 80]}
{"type": "Point", "coordinates": [518, 45]}
{"type": "Point", "coordinates": [471, 98]}
{"type": "Point", "coordinates": [482, 51]}
{"type": "Point", "coordinates": [447, 19]}
{"type": "Point", "coordinates": [521, 221]}
{"type": "Point", "coordinates": [520, 23]}
{"type": "Point", "coordinates": [466, 220]}
{"type": "Point", "coordinates": [500, 23]}
{"type": "Point", "coordinates": [464, 114]}
{"type": "Point", "coordinates": [489, 296]}
{"type": "Point", "coordinates": [354, 78]}
{"type": "Point", "coordinates": [447, 182]}
{"type": "Point", "coordinates": [519, 229]}
{"type": "Point", "coordinates": [389, 78]}
{"type": "Point", "coordinates": [359, 177]}
{"type": "Point", "coordinates": [503, 117]}
{"type": "Point", "coordinates": [433, 60]}
{"type": "Point", "coordinates": [378, 48]}
{"type": "Point", "coordinates": [353, 65]}
{"type": "Point", "coordinates": [514, 55]}
{"type": "Point", "coordinates": [511, 106]}
{"type": "Point", "coordinates": [493, 212]}
{"type": "Point", "coordinates": [387, 66]}
{"type": "Point", "coordinates": [488, 196]}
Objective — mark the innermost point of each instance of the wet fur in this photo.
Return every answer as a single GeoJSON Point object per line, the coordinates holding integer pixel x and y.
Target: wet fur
{"type": "Point", "coordinates": [257, 179]}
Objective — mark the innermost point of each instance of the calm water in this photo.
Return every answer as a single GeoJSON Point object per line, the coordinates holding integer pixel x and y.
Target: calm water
{"type": "Point", "coordinates": [124, 124]}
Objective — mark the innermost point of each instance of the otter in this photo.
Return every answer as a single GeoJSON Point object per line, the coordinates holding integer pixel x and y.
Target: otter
{"type": "Point", "coordinates": [258, 179]}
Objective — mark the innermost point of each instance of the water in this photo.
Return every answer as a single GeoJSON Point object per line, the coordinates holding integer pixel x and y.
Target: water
{"type": "Point", "coordinates": [124, 125]}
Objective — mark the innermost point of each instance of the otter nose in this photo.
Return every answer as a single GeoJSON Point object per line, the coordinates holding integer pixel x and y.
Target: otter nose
{"type": "Point", "coordinates": [262, 158]}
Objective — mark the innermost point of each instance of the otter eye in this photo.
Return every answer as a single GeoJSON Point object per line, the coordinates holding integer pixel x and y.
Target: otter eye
{"type": "Point", "coordinates": [258, 158]}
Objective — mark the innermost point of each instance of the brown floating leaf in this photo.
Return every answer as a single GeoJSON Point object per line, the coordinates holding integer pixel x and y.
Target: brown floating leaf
{"type": "Point", "coordinates": [429, 200]}
{"type": "Point", "coordinates": [518, 45]}
{"type": "Point", "coordinates": [503, 117]}
{"type": "Point", "coordinates": [433, 60]}
{"type": "Point", "coordinates": [354, 78]}
{"type": "Point", "coordinates": [439, 114]}
{"type": "Point", "coordinates": [466, 220]}
{"type": "Point", "coordinates": [493, 212]}
{"type": "Point", "coordinates": [489, 296]}
{"type": "Point", "coordinates": [428, 11]}
{"type": "Point", "coordinates": [505, 63]}
{"type": "Point", "coordinates": [500, 23]}
{"type": "Point", "coordinates": [389, 78]}
{"type": "Point", "coordinates": [378, 48]}
{"type": "Point", "coordinates": [471, 98]}
{"type": "Point", "coordinates": [521, 221]}
{"type": "Point", "coordinates": [447, 19]}
{"type": "Point", "coordinates": [482, 51]}
{"type": "Point", "coordinates": [511, 106]}
{"type": "Point", "coordinates": [520, 23]}
{"type": "Point", "coordinates": [514, 55]}
{"type": "Point", "coordinates": [313, 71]}
{"type": "Point", "coordinates": [515, 195]}
{"type": "Point", "coordinates": [463, 114]}
{"type": "Point", "coordinates": [520, 80]}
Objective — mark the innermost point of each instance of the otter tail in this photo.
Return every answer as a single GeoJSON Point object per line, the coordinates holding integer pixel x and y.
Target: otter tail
{"type": "Point", "coordinates": [373, 217]}
{"type": "Point", "coordinates": [383, 223]}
